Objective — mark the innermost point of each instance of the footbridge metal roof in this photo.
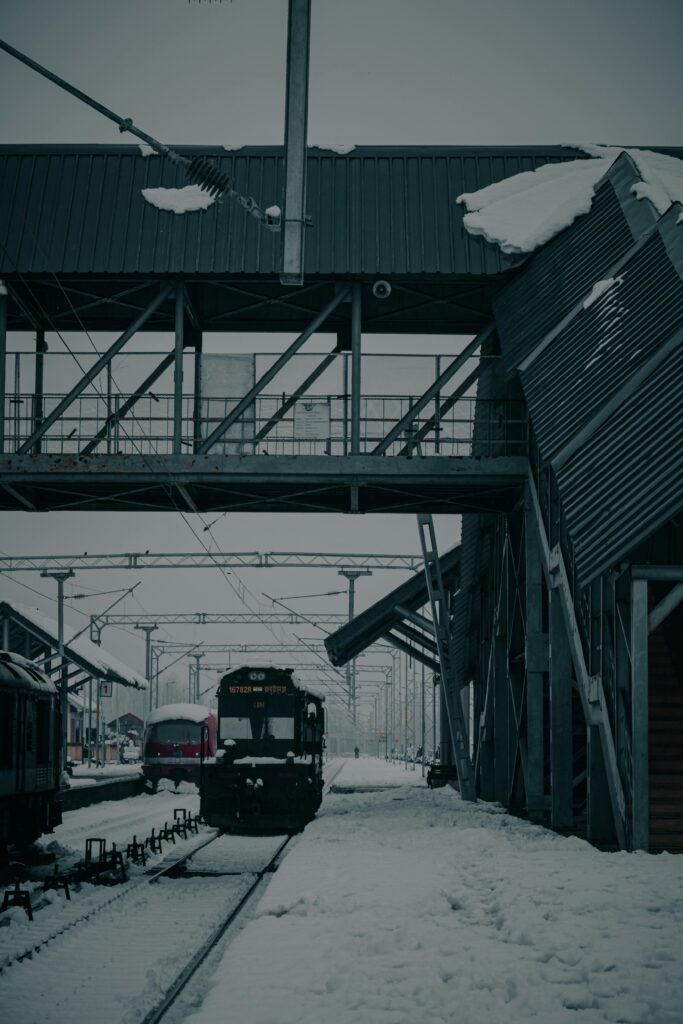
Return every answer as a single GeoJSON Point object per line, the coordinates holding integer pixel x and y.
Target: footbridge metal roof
{"type": "Point", "coordinates": [73, 214]}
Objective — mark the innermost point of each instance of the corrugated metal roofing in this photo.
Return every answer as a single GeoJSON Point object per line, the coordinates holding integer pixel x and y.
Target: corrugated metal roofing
{"type": "Point", "coordinates": [563, 271]}
{"type": "Point", "coordinates": [620, 488]}
{"type": "Point", "coordinates": [375, 210]}
{"type": "Point", "coordinates": [603, 345]}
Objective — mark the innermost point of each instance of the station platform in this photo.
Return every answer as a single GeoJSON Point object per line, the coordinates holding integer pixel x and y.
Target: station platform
{"type": "Point", "coordinates": [400, 904]}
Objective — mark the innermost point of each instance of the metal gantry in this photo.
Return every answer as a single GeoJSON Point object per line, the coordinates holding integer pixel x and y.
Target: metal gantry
{"type": "Point", "coordinates": [210, 560]}
{"type": "Point", "coordinates": [99, 622]}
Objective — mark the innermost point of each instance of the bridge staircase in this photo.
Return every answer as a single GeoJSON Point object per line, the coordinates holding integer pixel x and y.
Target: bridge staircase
{"type": "Point", "coordinates": [666, 746]}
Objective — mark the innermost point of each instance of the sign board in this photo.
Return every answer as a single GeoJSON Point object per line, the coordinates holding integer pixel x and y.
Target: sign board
{"type": "Point", "coordinates": [225, 380]}
{"type": "Point", "coordinates": [106, 687]}
{"type": "Point", "coordinates": [312, 419]}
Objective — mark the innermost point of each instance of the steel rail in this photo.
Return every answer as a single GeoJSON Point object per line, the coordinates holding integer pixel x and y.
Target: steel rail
{"type": "Point", "coordinates": [158, 1012]}
{"type": "Point", "coordinates": [128, 889]}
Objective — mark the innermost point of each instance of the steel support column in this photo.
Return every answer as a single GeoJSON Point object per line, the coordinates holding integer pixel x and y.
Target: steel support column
{"type": "Point", "coordinates": [536, 659]}
{"type": "Point", "coordinates": [178, 368]}
{"type": "Point", "coordinates": [600, 820]}
{"type": "Point", "coordinates": [296, 130]}
{"type": "Point", "coordinates": [197, 399]}
{"type": "Point", "coordinates": [3, 361]}
{"type": "Point", "coordinates": [501, 731]}
{"type": "Point", "coordinates": [640, 830]}
{"type": "Point", "coordinates": [41, 349]}
{"type": "Point", "coordinates": [63, 668]}
{"type": "Point", "coordinates": [561, 768]}
{"type": "Point", "coordinates": [356, 319]}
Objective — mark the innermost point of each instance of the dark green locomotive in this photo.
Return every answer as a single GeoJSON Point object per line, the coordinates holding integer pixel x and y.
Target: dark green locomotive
{"type": "Point", "coordinates": [267, 775]}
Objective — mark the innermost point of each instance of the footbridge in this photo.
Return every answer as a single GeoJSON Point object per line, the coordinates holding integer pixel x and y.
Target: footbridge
{"type": "Point", "coordinates": [97, 415]}
{"type": "Point", "coordinates": [555, 430]}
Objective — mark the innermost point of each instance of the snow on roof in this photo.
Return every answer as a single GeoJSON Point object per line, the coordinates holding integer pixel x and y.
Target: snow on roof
{"type": "Point", "coordinates": [524, 211]}
{"type": "Point", "coordinates": [179, 200]}
{"type": "Point", "coordinates": [92, 658]}
{"type": "Point", "coordinates": [177, 712]}
{"type": "Point", "coordinates": [146, 149]}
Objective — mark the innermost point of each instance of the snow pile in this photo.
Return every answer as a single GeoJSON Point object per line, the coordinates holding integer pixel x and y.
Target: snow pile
{"type": "Point", "coordinates": [405, 904]}
{"type": "Point", "coordinates": [526, 210]}
{"type": "Point", "coordinates": [179, 200]}
{"type": "Point", "coordinates": [146, 149]}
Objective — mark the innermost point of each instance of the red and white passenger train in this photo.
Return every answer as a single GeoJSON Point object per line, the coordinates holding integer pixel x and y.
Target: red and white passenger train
{"type": "Point", "coordinates": [174, 735]}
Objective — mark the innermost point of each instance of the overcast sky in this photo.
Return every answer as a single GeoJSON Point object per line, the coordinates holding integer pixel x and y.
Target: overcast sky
{"type": "Point", "coordinates": [399, 72]}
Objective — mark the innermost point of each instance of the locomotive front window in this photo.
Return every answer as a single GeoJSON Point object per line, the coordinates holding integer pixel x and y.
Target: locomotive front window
{"type": "Point", "coordinates": [235, 729]}
{"type": "Point", "coordinates": [176, 732]}
{"type": "Point", "coordinates": [281, 728]}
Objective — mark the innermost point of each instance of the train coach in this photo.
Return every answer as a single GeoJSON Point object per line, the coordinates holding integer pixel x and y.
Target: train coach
{"type": "Point", "coordinates": [177, 738]}
{"type": "Point", "coordinates": [30, 747]}
{"type": "Point", "coordinates": [267, 773]}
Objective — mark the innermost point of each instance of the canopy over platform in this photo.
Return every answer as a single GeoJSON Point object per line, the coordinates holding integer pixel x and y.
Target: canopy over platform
{"type": "Point", "coordinates": [394, 619]}
{"type": "Point", "coordinates": [33, 636]}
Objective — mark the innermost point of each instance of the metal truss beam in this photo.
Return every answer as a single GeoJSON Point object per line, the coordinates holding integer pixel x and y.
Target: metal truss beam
{"type": "Point", "coordinates": [100, 622]}
{"type": "Point", "coordinates": [272, 372]}
{"type": "Point", "coordinates": [290, 402]}
{"type": "Point", "coordinates": [94, 370]}
{"type": "Point", "coordinates": [210, 560]}
{"type": "Point", "coordinates": [432, 391]}
{"type": "Point", "coordinates": [433, 422]}
{"type": "Point", "coordinates": [129, 404]}
{"type": "Point", "coordinates": [278, 483]}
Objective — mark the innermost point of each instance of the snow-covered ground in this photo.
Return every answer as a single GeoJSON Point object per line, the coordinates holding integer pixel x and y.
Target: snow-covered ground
{"type": "Point", "coordinates": [402, 904]}
{"type": "Point", "coordinates": [397, 905]}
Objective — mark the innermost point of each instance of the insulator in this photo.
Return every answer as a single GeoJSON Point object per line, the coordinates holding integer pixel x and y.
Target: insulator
{"type": "Point", "coordinates": [208, 176]}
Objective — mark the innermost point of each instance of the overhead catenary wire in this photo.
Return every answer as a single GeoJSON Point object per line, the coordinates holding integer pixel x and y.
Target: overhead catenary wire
{"type": "Point", "coordinates": [197, 168]}
{"type": "Point", "coordinates": [243, 589]}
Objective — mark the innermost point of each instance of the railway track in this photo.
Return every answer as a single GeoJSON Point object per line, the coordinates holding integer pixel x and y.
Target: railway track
{"type": "Point", "coordinates": [141, 944]}
{"type": "Point", "coordinates": [158, 1013]}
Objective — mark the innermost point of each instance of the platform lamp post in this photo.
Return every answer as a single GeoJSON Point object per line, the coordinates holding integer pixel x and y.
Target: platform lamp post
{"type": "Point", "coordinates": [63, 671]}
{"type": "Point", "coordinates": [352, 575]}
{"type": "Point", "coordinates": [148, 629]}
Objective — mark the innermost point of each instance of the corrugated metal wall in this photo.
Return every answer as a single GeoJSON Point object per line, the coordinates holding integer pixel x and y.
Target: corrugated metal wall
{"type": "Point", "coordinates": [380, 210]}
{"type": "Point", "coordinates": [563, 271]}
{"type": "Point", "coordinates": [628, 481]}
{"type": "Point", "coordinates": [603, 346]}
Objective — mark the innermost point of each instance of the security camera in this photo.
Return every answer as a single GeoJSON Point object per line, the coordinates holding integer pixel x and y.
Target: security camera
{"type": "Point", "coordinates": [381, 289]}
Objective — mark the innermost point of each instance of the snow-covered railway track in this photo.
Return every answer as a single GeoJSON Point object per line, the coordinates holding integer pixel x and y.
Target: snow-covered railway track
{"type": "Point", "coordinates": [140, 946]}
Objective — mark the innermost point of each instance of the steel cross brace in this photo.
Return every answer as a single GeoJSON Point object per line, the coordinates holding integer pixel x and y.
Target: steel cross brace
{"type": "Point", "coordinates": [446, 652]}
{"type": "Point", "coordinates": [590, 687]}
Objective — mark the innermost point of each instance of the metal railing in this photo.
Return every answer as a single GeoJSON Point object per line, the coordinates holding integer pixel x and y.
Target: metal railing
{"type": "Point", "coordinates": [314, 425]}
